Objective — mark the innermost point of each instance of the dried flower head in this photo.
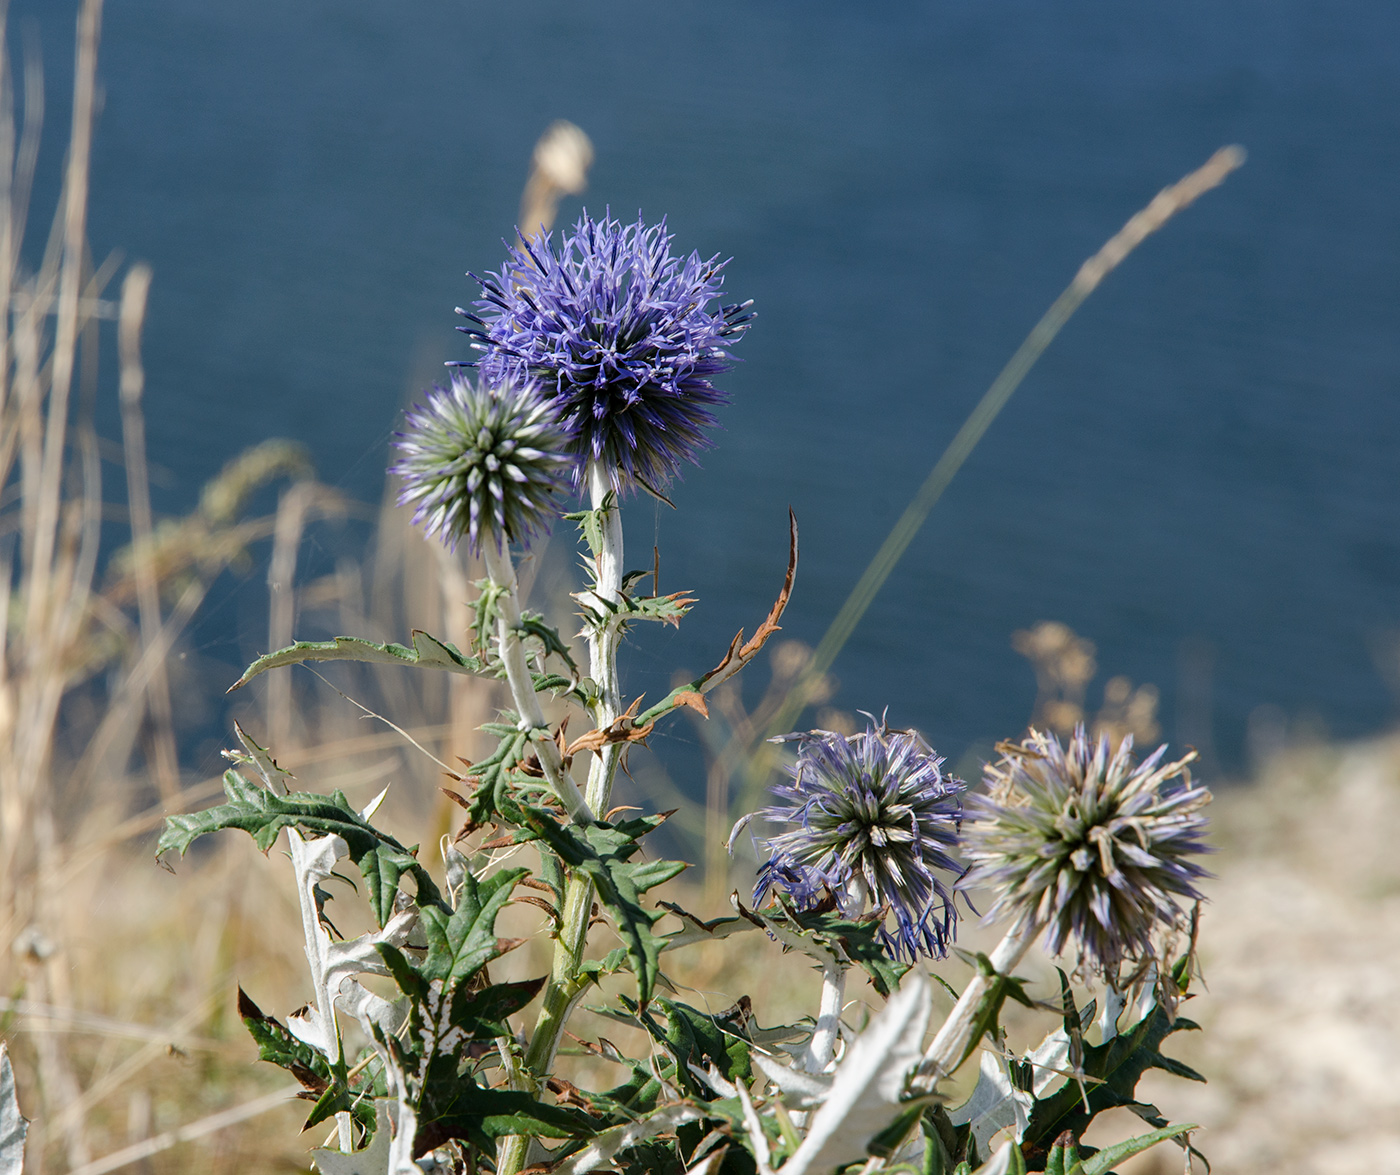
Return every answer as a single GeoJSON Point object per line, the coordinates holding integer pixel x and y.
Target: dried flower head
{"type": "Point", "coordinates": [875, 817]}
{"type": "Point", "coordinates": [1094, 846]}
{"type": "Point", "coordinates": [620, 334]}
{"type": "Point", "coordinates": [481, 463]}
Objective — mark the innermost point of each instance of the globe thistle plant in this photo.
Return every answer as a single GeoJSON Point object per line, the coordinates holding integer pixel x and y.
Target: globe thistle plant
{"type": "Point", "coordinates": [621, 335]}
{"type": "Point", "coordinates": [481, 463]}
{"type": "Point", "coordinates": [874, 819]}
{"type": "Point", "coordinates": [1094, 846]}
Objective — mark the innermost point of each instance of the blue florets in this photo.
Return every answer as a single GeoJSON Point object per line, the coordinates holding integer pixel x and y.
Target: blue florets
{"type": "Point", "coordinates": [1086, 841]}
{"type": "Point", "coordinates": [620, 334]}
{"type": "Point", "coordinates": [875, 818]}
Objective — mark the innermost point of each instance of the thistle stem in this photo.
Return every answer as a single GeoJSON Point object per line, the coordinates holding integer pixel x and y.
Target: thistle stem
{"type": "Point", "coordinates": [604, 635]}
{"type": "Point", "coordinates": [950, 1048]}
{"type": "Point", "coordinates": [828, 1030]}
{"type": "Point", "coordinates": [501, 571]}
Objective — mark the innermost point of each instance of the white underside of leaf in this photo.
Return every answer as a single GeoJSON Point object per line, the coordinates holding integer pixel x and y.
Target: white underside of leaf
{"type": "Point", "coordinates": [868, 1084]}
{"type": "Point", "coordinates": [599, 1153]}
{"type": "Point", "coordinates": [373, 1160]}
{"type": "Point", "coordinates": [999, 1163]}
{"type": "Point", "coordinates": [13, 1126]}
{"type": "Point", "coordinates": [800, 1090]}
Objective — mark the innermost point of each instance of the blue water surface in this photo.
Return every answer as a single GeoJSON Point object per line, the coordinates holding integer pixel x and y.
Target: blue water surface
{"type": "Point", "coordinates": [1205, 459]}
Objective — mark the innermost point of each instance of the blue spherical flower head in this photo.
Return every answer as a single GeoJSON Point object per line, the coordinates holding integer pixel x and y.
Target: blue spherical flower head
{"type": "Point", "coordinates": [873, 818]}
{"type": "Point", "coordinates": [621, 335]}
{"type": "Point", "coordinates": [482, 463]}
{"type": "Point", "coordinates": [1091, 844]}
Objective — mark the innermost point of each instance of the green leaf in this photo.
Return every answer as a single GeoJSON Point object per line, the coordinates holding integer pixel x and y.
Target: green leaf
{"type": "Point", "coordinates": [696, 1038]}
{"type": "Point", "coordinates": [483, 1013]}
{"type": "Point", "coordinates": [1064, 1157]}
{"type": "Point", "coordinates": [590, 525]}
{"type": "Point", "coordinates": [493, 795]}
{"type": "Point", "coordinates": [1100, 1162]}
{"type": "Point", "coordinates": [858, 941]}
{"type": "Point", "coordinates": [277, 1045]}
{"type": "Point", "coordinates": [463, 941]}
{"type": "Point", "coordinates": [427, 653]}
{"type": "Point", "coordinates": [603, 853]}
{"type": "Point", "coordinates": [263, 815]}
{"type": "Point", "coordinates": [456, 1107]}
{"type": "Point", "coordinates": [987, 1015]}
{"type": "Point", "coordinates": [667, 609]}
{"type": "Point", "coordinates": [1112, 1071]}
{"type": "Point", "coordinates": [532, 624]}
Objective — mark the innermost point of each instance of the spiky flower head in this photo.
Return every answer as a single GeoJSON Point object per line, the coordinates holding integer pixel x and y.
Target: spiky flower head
{"type": "Point", "coordinates": [481, 463]}
{"type": "Point", "coordinates": [621, 335]}
{"type": "Point", "coordinates": [874, 817]}
{"type": "Point", "coordinates": [1091, 844]}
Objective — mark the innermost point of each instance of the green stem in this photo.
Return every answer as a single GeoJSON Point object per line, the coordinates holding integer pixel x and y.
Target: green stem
{"type": "Point", "coordinates": [501, 571]}
{"type": "Point", "coordinates": [563, 990]}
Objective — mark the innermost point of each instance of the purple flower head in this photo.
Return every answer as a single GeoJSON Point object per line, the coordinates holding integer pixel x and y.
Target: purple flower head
{"type": "Point", "coordinates": [873, 818]}
{"type": "Point", "coordinates": [619, 333]}
{"type": "Point", "coordinates": [1096, 847]}
{"type": "Point", "coordinates": [481, 463]}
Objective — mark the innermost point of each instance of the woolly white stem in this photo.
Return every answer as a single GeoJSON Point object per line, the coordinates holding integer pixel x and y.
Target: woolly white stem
{"type": "Point", "coordinates": [954, 1040]}
{"type": "Point", "coordinates": [605, 636]}
{"type": "Point", "coordinates": [314, 938]}
{"type": "Point", "coordinates": [822, 1047]}
{"type": "Point", "coordinates": [501, 571]}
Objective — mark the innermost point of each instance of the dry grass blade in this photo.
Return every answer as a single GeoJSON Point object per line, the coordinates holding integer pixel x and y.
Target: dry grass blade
{"type": "Point", "coordinates": [204, 1126]}
{"type": "Point", "coordinates": [1165, 205]}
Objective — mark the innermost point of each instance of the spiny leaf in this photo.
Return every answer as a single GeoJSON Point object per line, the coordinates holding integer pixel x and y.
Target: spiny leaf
{"type": "Point", "coordinates": [493, 775]}
{"type": "Point", "coordinates": [667, 609]}
{"type": "Point", "coordinates": [532, 624]}
{"type": "Point", "coordinates": [263, 815]}
{"type": "Point", "coordinates": [695, 1038]}
{"type": "Point", "coordinates": [1100, 1162]}
{"type": "Point", "coordinates": [858, 941]}
{"type": "Point", "coordinates": [463, 941]}
{"type": "Point", "coordinates": [603, 853]}
{"type": "Point", "coordinates": [277, 1045]}
{"type": "Point", "coordinates": [456, 1107]}
{"type": "Point", "coordinates": [1113, 1070]}
{"type": "Point", "coordinates": [826, 936]}
{"type": "Point", "coordinates": [590, 525]}
{"type": "Point", "coordinates": [427, 653]}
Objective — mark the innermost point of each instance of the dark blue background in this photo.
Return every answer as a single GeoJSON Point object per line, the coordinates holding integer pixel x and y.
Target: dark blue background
{"type": "Point", "coordinates": [1206, 454]}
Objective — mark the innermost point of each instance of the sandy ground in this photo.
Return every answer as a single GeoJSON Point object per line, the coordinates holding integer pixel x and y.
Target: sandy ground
{"type": "Point", "coordinates": [1301, 953]}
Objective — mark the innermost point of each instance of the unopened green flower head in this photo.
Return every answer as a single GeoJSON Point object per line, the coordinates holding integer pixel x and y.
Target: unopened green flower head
{"type": "Point", "coordinates": [1091, 844]}
{"type": "Point", "coordinates": [482, 463]}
